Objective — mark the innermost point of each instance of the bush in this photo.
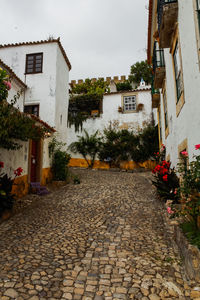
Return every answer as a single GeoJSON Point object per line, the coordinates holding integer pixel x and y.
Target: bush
{"type": "Point", "coordinates": [166, 182]}
{"type": "Point", "coordinates": [124, 145]}
{"type": "Point", "coordinates": [59, 165]}
{"type": "Point", "coordinates": [6, 184]}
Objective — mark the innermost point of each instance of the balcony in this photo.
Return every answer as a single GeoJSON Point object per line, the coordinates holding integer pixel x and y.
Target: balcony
{"type": "Point", "coordinates": [167, 17]}
{"type": "Point", "coordinates": [155, 93]}
{"type": "Point", "coordinates": [158, 66]}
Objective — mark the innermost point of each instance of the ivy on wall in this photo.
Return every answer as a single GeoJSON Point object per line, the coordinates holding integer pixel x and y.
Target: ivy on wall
{"type": "Point", "coordinates": [85, 98]}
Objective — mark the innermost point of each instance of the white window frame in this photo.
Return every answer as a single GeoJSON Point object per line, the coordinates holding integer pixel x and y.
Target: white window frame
{"type": "Point", "coordinates": [129, 103]}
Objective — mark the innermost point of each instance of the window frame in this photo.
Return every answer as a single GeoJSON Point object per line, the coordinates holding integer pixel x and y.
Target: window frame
{"type": "Point", "coordinates": [34, 63]}
{"type": "Point", "coordinates": [179, 103]}
{"type": "Point", "coordinates": [32, 106]}
{"type": "Point", "coordinates": [135, 104]}
{"type": "Point", "coordinates": [178, 71]}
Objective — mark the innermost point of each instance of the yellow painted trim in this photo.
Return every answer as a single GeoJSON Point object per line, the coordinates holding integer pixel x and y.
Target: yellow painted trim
{"type": "Point", "coordinates": [127, 165]}
{"type": "Point", "coordinates": [46, 176]}
{"type": "Point", "coordinates": [21, 186]}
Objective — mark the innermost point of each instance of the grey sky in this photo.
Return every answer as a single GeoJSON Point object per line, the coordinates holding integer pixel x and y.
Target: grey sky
{"type": "Point", "coordinates": [101, 37]}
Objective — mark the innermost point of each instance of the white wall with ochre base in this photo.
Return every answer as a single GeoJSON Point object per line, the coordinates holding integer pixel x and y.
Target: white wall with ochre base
{"type": "Point", "coordinates": [132, 120]}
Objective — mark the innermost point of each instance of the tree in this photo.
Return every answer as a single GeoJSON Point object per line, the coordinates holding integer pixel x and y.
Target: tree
{"type": "Point", "coordinates": [15, 126]}
{"type": "Point", "coordinates": [87, 145]}
{"type": "Point", "coordinates": [141, 70]}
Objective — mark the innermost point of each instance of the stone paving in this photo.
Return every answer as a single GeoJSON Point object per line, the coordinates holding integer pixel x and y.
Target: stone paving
{"type": "Point", "coordinates": [102, 239]}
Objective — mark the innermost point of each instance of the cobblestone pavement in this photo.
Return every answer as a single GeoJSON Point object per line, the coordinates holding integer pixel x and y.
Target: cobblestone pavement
{"type": "Point", "coordinates": [102, 239]}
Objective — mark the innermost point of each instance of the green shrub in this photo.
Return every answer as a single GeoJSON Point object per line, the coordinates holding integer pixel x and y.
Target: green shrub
{"type": "Point", "coordinates": [59, 165]}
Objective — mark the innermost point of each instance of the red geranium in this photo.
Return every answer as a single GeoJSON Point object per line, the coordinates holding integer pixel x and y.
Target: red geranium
{"type": "Point", "coordinates": [18, 171]}
{"type": "Point", "coordinates": [1, 164]}
{"type": "Point", "coordinates": [165, 177]}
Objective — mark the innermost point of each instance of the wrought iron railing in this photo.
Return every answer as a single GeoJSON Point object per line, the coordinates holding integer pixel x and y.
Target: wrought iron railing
{"type": "Point", "coordinates": [160, 6]}
{"type": "Point", "coordinates": [158, 57]}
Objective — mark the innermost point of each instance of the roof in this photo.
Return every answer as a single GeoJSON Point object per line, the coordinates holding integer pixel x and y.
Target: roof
{"type": "Point", "coordinates": [149, 32]}
{"type": "Point", "coordinates": [128, 92]}
{"type": "Point", "coordinates": [42, 42]}
{"type": "Point", "coordinates": [43, 123]}
{"type": "Point", "coordinates": [12, 73]}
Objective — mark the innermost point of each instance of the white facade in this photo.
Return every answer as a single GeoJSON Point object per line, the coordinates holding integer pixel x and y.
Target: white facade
{"type": "Point", "coordinates": [48, 89]}
{"type": "Point", "coordinates": [183, 120]}
{"type": "Point", "coordinates": [110, 115]}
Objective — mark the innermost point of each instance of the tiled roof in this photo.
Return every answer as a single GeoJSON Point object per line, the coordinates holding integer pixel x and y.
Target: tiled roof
{"type": "Point", "coordinates": [42, 42]}
{"type": "Point", "coordinates": [128, 92]}
{"type": "Point", "coordinates": [43, 123]}
{"type": "Point", "coordinates": [12, 73]}
{"type": "Point", "coordinates": [149, 31]}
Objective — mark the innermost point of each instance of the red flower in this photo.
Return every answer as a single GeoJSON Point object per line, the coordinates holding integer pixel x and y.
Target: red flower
{"type": "Point", "coordinates": [1, 164]}
{"type": "Point", "coordinates": [165, 177]}
{"type": "Point", "coordinates": [197, 146]}
{"type": "Point", "coordinates": [18, 171]}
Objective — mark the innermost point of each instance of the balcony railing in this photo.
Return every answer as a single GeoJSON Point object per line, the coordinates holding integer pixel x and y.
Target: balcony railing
{"type": "Point", "coordinates": [158, 66]}
{"type": "Point", "coordinates": [167, 11]}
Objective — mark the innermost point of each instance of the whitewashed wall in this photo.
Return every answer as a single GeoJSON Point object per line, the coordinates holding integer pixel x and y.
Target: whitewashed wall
{"type": "Point", "coordinates": [49, 89]}
{"type": "Point", "coordinates": [62, 96]}
{"type": "Point", "coordinates": [110, 113]}
{"type": "Point", "coordinates": [187, 124]}
{"type": "Point", "coordinates": [14, 159]}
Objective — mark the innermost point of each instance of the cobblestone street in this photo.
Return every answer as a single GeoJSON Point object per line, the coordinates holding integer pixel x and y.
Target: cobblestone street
{"type": "Point", "coordinates": [102, 239]}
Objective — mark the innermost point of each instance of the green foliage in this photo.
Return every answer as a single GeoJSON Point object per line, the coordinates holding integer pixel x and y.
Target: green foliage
{"type": "Point", "coordinates": [124, 86]}
{"type": "Point", "coordinates": [60, 159]}
{"type": "Point", "coordinates": [141, 70]}
{"type": "Point", "coordinates": [76, 179]}
{"type": "Point", "coordinates": [15, 126]}
{"type": "Point", "coordinates": [191, 232]}
{"type": "Point", "coordinates": [80, 108]}
{"type": "Point", "coordinates": [190, 186]}
{"type": "Point", "coordinates": [3, 87]}
{"type": "Point", "coordinates": [90, 87]}
{"type": "Point", "coordinates": [59, 165]}
{"type": "Point", "coordinates": [6, 183]}
{"type": "Point", "coordinates": [87, 146]}
{"type": "Point", "coordinates": [6, 197]}
{"type": "Point", "coordinates": [124, 145]}
{"type": "Point", "coordinates": [85, 97]}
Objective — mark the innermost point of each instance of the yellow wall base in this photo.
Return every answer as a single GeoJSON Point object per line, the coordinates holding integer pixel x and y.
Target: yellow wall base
{"type": "Point", "coordinates": [21, 186]}
{"type": "Point", "coordinates": [129, 165]}
{"type": "Point", "coordinates": [46, 176]}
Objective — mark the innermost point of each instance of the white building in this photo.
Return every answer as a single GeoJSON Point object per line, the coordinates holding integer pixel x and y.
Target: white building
{"type": "Point", "coordinates": [40, 72]}
{"type": "Point", "coordinates": [127, 110]}
{"type": "Point", "coordinates": [173, 48]}
{"type": "Point", "coordinates": [44, 67]}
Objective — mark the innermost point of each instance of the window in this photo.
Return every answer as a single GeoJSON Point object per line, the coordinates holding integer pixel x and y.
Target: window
{"type": "Point", "coordinates": [129, 103]}
{"type": "Point", "coordinates": [198, 11]}
{"type": "Point", "coordinates": [34, 63]}
{"type": "Point", "coordinates": [165, 109]}
{"type": "Point", "coordinates": [177, 68]}
{"type": "Point", "coordinates": [32, 109]}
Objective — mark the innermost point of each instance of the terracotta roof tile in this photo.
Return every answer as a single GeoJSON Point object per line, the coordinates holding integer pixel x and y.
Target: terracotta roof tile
{"type": "Point", "coordinates": [128, 92]}
{"type": "Point", "coordinates": [42, 42]}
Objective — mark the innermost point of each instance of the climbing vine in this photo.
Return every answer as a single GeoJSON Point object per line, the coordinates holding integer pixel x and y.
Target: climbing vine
{"type": "Point", "coordinates": [85, 98]}
{"type": "Point", "coordinates": [15, 126]}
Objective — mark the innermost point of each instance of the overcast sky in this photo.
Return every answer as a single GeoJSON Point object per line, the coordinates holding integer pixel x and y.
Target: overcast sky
{"type": "Point", "coordinates": [101, 37]}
